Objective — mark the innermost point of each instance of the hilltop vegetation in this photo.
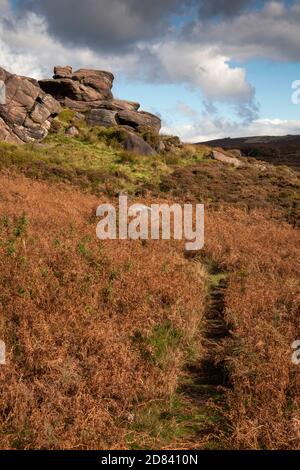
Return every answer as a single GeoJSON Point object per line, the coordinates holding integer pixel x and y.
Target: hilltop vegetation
{"type": "Point", "coordinates": [102, 336]}
{"type": "Point", "coordinates": [95, 162]}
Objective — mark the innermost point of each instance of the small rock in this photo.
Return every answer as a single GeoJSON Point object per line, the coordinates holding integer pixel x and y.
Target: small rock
{"type": "Point", "coordinates": [130, 417]}
{"type": "Point", "coordinates": [221, 157]}
{"type": "Point", "coordinates": [62, 72]}
{"type": "Point", "coordinates": [72, 131]}
{"type": "Point", "coordinates": [161, 146]}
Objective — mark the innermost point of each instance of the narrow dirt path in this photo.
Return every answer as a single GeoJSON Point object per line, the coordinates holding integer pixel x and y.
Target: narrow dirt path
{"type": "Point", "coordinates": [195, 416]}
{"type": "Point", "coordinates": [207, 379]}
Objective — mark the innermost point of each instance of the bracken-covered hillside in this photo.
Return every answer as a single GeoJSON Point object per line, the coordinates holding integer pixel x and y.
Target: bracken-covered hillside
{"type": "Point", "coordinates": [138, 344]}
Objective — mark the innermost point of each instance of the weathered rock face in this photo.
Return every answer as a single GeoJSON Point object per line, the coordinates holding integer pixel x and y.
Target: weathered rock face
{"type": "Point", "coordinates": [84, 85]}
{"type": "Point", "coordinates": [136, 144]}
{"type": "Point", "coordinates": [102, 117]}
{"type": "Point", "coordinates": [31, 105]}
{"type": "Point", "coordinates": [112, 105]}
{"type": "Point", "coordinates": [90, 90]}
{"type": "Point", "coordinates": [139, 120]}
{"type": "Point", "coordinates": [28, 110]}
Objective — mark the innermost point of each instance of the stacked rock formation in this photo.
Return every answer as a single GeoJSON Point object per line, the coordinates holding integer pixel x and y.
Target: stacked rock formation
{"type": "Point", "coordinates": [26, 110]}
{"type": "Point", "coordinates": [30, 106]}
{"type": "Point", "coordinates": [89, 91]}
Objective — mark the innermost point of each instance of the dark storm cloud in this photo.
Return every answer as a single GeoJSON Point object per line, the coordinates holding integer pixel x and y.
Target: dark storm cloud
{"type": "Point", "coordinates": [269, 32]}
{"type": "Point", "coordinates": [106, 24]}
{"type": "Point", "coordinates": [117, 25]}
{"type": "Point", "coordinates": [229, 8]}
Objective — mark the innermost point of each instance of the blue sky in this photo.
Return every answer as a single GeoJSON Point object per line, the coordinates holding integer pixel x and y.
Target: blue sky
{"type": "Point", "coordinates": [208, 68]}
{"type": "Point", "coordinates": [272, 82]}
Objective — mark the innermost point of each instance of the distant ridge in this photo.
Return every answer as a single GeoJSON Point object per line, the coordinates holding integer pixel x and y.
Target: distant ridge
{"type": "Point", "coordinates": [278, 150]}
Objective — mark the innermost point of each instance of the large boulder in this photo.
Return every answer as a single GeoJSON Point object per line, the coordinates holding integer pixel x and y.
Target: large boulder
{"type": "Point", "coordinates": [102, 117]}
{"type": "Point", "coordinates": [84, 85]}
{"type": "Point", "coordinates": [134, 143]}
{"type": "Point", "coordinates": [222, 157]}
{"type": "Point", "coordinates": [27, 111]}
{"type": "Point", "coordinates": [123, 105]}
{"type": "Point", "coordinates": [97, 79]}
{"type": "Point", "coordinates": [141, 121]}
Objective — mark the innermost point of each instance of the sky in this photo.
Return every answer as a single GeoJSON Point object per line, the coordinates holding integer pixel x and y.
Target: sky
{"type": "Point", "coordinates": [209, 68]}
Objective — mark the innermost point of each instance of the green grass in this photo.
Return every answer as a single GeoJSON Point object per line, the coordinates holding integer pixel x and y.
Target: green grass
{"type": "Point", "coordinates": [66, 116]}
{"type": "Point", "coordinates": [186, 415]}
{"type": "Point", "coordinates": [164, 339]}
{"type": "Point", "coordinates": [164, 422]}
{"type": "Point", "coordinates": [89, 166]}
{"type": "Point", "coordinates": [159, 345]}
{"type": "Point", "coordinates": [215, 279]}
{"type": "Point", "coordinates": [11, 232]}
{"type": "Point", "coordinates": [95, 160]}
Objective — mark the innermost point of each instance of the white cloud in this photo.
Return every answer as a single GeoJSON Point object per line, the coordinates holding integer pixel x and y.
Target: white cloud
{"type": "Point", "coordinates": [210, 129]}
{"type": "Point", "coordinates": [27, 48]}
{"type": "Point", "coordinates": [205, 68]}
{"type": "Point", "coordinates": [201, 59]}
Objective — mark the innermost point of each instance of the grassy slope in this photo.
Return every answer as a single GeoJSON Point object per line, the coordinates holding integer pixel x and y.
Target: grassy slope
{"type": "Point", "coordinates": [95, 163]}
{"type": "Point", "coordinates": [86, 382]}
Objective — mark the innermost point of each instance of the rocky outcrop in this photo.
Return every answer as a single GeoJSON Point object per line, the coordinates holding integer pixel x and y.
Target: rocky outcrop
{"type": "Point", "coordinates": [27, 113]}
{"type": "Point", "coordinates": [84, 85]}
{"type": "Point", "coordinates": [30, 106]}
{"type": "Point", "coordinates": [113, 105]}
{"type": "Point", "coordinates": [90, 91]}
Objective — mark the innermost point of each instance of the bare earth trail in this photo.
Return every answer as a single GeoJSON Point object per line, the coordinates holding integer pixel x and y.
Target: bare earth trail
{"type": "Point", "coordinates": [207, 379]}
